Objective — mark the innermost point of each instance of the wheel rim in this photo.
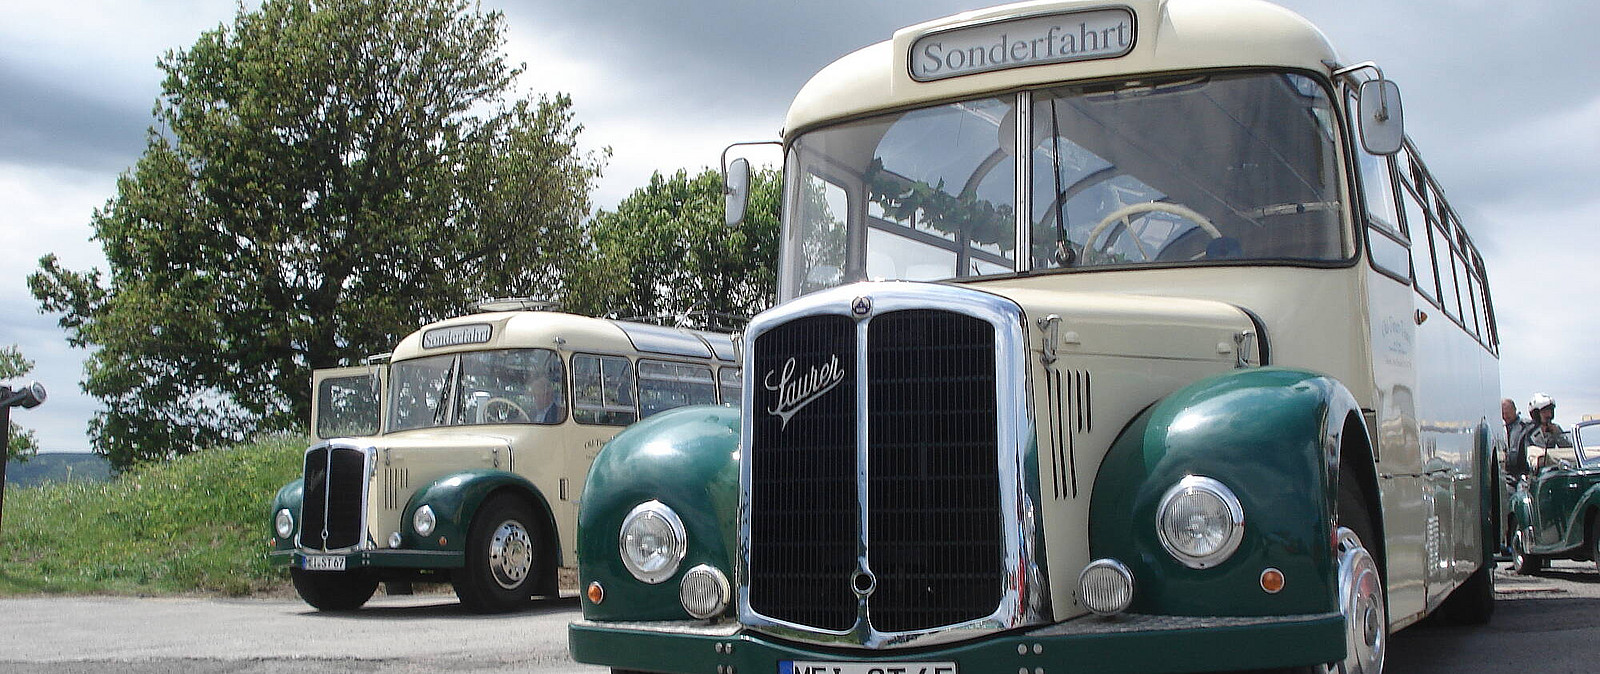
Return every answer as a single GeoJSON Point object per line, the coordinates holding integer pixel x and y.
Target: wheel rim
{"type": "Point", "coordinates": [1361, 603]}
{"type": "Point", "coordinates": [1519, 556]}
{"type": "Point", "coordinates": [510, 554]}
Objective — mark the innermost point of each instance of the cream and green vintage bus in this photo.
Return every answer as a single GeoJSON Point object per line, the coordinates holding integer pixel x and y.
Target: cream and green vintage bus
{"type": "Point", "coordinates": [461, 456]}
{"type": "Point", "coordinates": [1112, 336]}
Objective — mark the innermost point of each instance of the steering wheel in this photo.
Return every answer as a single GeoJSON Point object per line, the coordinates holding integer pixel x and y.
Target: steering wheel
{"type": "Point", "coordinates": [503, 411]}
{"type": "Point", "coordinates": [1126, 213]}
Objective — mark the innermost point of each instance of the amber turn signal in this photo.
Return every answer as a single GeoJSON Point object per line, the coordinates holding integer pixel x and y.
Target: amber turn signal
{"type": "Point", "coordinates": [596, 593]}
{"type": "Point", "coordinates": [1272, 581]}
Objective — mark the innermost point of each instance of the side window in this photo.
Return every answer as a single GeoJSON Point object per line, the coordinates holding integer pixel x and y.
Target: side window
{"type": "Point", "coordinates": [347, 406]}
{"type": "Point", "coordinates": [1469, 296]}
{"type": "Point", "coordinates": [664, 385]}
{"type": "Point", "coordinates": [1447, 278]}
{"type": "Point", "coordinates": [730, 380]}
{"type": "Point", "coordinates": [602, 390]}
{"type": "Point", "coordinates": [1422, 268]}
{"type": "Point", "coordinates": [1376, 183]}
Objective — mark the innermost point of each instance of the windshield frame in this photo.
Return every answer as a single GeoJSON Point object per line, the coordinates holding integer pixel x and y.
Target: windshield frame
{"type": "Point", "coordinates": [1347, 250]}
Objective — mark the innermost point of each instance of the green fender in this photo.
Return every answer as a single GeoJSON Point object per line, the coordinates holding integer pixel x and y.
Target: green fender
{"type": "Point", "coordinates": [289, 496]}
{"type": "Point", "coordinates": [455, 497]}
{"type": "Point", "coordinates": [685, 458]}
{"type": "Point", "coordinates": [1272, 436]}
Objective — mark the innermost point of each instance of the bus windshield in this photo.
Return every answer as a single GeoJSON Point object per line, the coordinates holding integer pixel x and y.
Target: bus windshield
{"type": "Point", "coordinates": [1199, 169]}
{"type": "Point", "coordinates": [503, 386]}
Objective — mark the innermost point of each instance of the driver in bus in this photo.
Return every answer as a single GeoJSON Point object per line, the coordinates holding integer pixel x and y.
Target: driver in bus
{"type": "Point", "coordinates": [544, 392]}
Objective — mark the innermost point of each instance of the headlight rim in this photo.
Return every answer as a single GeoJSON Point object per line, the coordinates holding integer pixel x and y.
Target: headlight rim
{"type": "Point", "coordinates": [283, 524]}
{"type": "Point", "coordinates": [654, 508]}
{"type": "Point", "coordinates": [1229, 500]}
{"type": "Point", "coordinates": [424, 521]}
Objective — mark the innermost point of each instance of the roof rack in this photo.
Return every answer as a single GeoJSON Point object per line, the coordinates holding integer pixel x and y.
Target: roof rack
{"type": "Point", "coordinates": [694, 320]}
{"type": "Point", "coordinates": [514, 304]}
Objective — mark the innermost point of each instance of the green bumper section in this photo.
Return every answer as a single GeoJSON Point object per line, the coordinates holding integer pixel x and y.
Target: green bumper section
{"type": "Point", "coordinates": [1132, 643]}
{"type": "Point", "coordinates": [386, 559]}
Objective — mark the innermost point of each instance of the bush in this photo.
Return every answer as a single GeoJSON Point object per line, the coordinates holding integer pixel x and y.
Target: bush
{"type": "Point", "coordinates": [199, 523]}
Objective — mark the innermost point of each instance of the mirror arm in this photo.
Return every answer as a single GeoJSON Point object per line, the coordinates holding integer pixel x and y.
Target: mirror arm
{"type": "Point", "coordinates": [734, 145]}
{"type": "Point", "coordinates": [1383, 105]}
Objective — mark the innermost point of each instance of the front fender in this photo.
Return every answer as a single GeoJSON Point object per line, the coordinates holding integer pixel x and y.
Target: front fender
{"type": "Point", "coordinates": [455, 497]}
{"type": "Point", "coordinates": [687, 459]}
{"type": "Point", "coordinates": [1273, 437]}
{"type": "Point", "coordinates": [289, 496]}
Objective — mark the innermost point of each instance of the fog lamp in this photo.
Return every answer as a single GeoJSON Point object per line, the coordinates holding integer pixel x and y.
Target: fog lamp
{"type": "Point", "coordinates": [1200, 522]}
{"type": "Point", "coordinates": [423, 521]}
{"type": "Point", "coordinates": [652, 542]}
{"type": "Point", "coordinates": [1106, 587]}
{"type": "Point", "coordinates": [394, 539]}
{"type": "Point", "coordinates": [704, 592]}
{"type": "Point", "coordinates": [284, 523]}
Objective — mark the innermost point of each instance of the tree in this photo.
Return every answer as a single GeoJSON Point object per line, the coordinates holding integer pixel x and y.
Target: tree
{"type": "Point", "coordinates": [23, 444]}
{"type": "Point", "coordinates": [325, 176]}
{"type": "Point", "coordinates": [665, 251]}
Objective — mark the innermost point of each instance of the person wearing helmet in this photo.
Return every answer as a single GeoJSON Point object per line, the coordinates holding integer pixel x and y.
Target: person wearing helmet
{"type": "Point", "coordinates": [1546, 435]}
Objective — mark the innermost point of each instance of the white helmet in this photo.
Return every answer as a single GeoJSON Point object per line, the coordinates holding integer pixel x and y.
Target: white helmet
{"type": "Point", "coordinates": [1540, 401]}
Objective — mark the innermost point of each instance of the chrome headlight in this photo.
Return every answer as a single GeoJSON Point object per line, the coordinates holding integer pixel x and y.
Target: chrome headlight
{"type": "Point", "coordinates": [652, 542]}
{"type": "Point", "coordinates": [423, 521]}
{"type": "Point", "coordinates": [1200, 522]}
{"type": "Point", "coordinates": [284, 523]}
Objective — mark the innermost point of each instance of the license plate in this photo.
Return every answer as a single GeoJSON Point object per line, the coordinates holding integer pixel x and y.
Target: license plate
{"type": "Point", "coordinates": [824, 667]}
{"type": "Point", "coordinates": [325, 563]}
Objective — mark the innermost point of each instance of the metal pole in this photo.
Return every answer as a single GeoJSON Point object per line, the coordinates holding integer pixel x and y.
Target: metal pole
{"type": "Point", "coordinates": [5, 450]}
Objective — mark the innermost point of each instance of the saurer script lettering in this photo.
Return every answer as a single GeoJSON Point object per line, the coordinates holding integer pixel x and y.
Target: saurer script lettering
{"type": "Point", "coordinates": [797, 391]}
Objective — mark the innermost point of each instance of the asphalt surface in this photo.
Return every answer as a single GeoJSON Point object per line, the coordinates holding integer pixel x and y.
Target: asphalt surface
{"type": "Point", "coordinates": [1549, 623]}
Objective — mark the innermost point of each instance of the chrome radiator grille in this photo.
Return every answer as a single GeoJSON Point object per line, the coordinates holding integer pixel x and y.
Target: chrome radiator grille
{"type": "Point", "coordinates": [332, 509]}
{"type": "Point", "coordinates": [803, 477]}
{"type": "Point", "coordinates": [932, 482]}
{"type": "Point", "coordinates": [929, 517]}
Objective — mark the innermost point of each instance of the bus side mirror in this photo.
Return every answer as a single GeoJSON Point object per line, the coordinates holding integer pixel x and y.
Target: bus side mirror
{"type": "Point", "coordinates": [1382, 126]}
{"type": "Point", "coordinates": [736, 191]}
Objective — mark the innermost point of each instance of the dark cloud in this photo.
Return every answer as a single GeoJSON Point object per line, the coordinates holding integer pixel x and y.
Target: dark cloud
{"type": "Point", "coordinates": [52, 124]}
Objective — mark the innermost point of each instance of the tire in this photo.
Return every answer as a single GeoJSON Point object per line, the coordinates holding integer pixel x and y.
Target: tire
{"type": "Point", "coordinates": [505, 557]}
{"type": "Point", "coordinates": [1594, 540]}
{"type": "Point", "coordinates": [334, 590]}
{"type": "Point", "coordinates": [1524, 563]}
{"type": "Point", "coordinates": [1363, 599]}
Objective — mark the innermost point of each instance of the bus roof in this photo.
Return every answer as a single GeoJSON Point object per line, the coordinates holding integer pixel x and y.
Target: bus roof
{"type": "Point", "coordinates": [1169, 36]}
{"type": "Point", "coordinates": [551, 329]}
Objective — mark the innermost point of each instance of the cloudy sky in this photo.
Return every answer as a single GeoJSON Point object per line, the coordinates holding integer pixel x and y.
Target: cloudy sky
{"type": "Point", "coordinates": [1502, 98]}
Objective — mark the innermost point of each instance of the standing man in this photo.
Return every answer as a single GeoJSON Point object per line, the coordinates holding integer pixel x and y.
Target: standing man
{"type": "Point", "coordinates": [1517, 430]}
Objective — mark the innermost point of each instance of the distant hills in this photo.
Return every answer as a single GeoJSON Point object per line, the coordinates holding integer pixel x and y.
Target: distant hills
{"type": "Point", "coordinates": [58, 467]}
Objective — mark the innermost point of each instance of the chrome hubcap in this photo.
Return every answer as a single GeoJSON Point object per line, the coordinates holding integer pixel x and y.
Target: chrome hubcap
{"type": "Point", "coordinates": [510, 554]}
{"type": "Point", "coordinates": [1361, 603]}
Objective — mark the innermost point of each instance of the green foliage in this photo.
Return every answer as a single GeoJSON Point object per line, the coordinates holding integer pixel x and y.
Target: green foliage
{"type": "Point", "coordinates": [198, 523]}
{"type": "Point", "coordinates": [326, 177]}
{"type": "Point", "coordinates": [665, 251]}
{"type": "Point", "coordinates": [22, 443]}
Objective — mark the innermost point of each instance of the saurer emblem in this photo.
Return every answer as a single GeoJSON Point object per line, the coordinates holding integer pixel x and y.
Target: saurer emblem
{"type": "Point", "coordinates": [796, 390]}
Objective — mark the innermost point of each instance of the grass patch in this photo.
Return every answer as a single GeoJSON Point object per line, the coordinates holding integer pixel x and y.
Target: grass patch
{"type": "Point", "coordinates": [199, 523]}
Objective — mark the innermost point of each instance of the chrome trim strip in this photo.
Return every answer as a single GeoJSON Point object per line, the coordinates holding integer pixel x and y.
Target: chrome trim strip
{"type": "Point", "coordinates": [1025, 600]}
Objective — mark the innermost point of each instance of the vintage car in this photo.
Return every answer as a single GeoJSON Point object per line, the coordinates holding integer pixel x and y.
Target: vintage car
{"type": "Point", "coordinates": [1553, 511]}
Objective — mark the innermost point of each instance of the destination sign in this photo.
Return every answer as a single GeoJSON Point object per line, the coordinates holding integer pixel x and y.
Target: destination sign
{"type": "Point", "coordinates": [455, 335]}
{"type": "Point", "coordinates": [1034, 40]}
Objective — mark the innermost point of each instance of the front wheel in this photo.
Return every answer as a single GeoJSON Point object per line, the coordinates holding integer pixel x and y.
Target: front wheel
{"type": "Point", "coordinates": [334, 590]}
{"type": "Point", "coordinates": [1361, 591]}
{"type": "Point", "coordinates": [1522, 561]}
{"type": "Point", "coordinates": [504, 562]}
